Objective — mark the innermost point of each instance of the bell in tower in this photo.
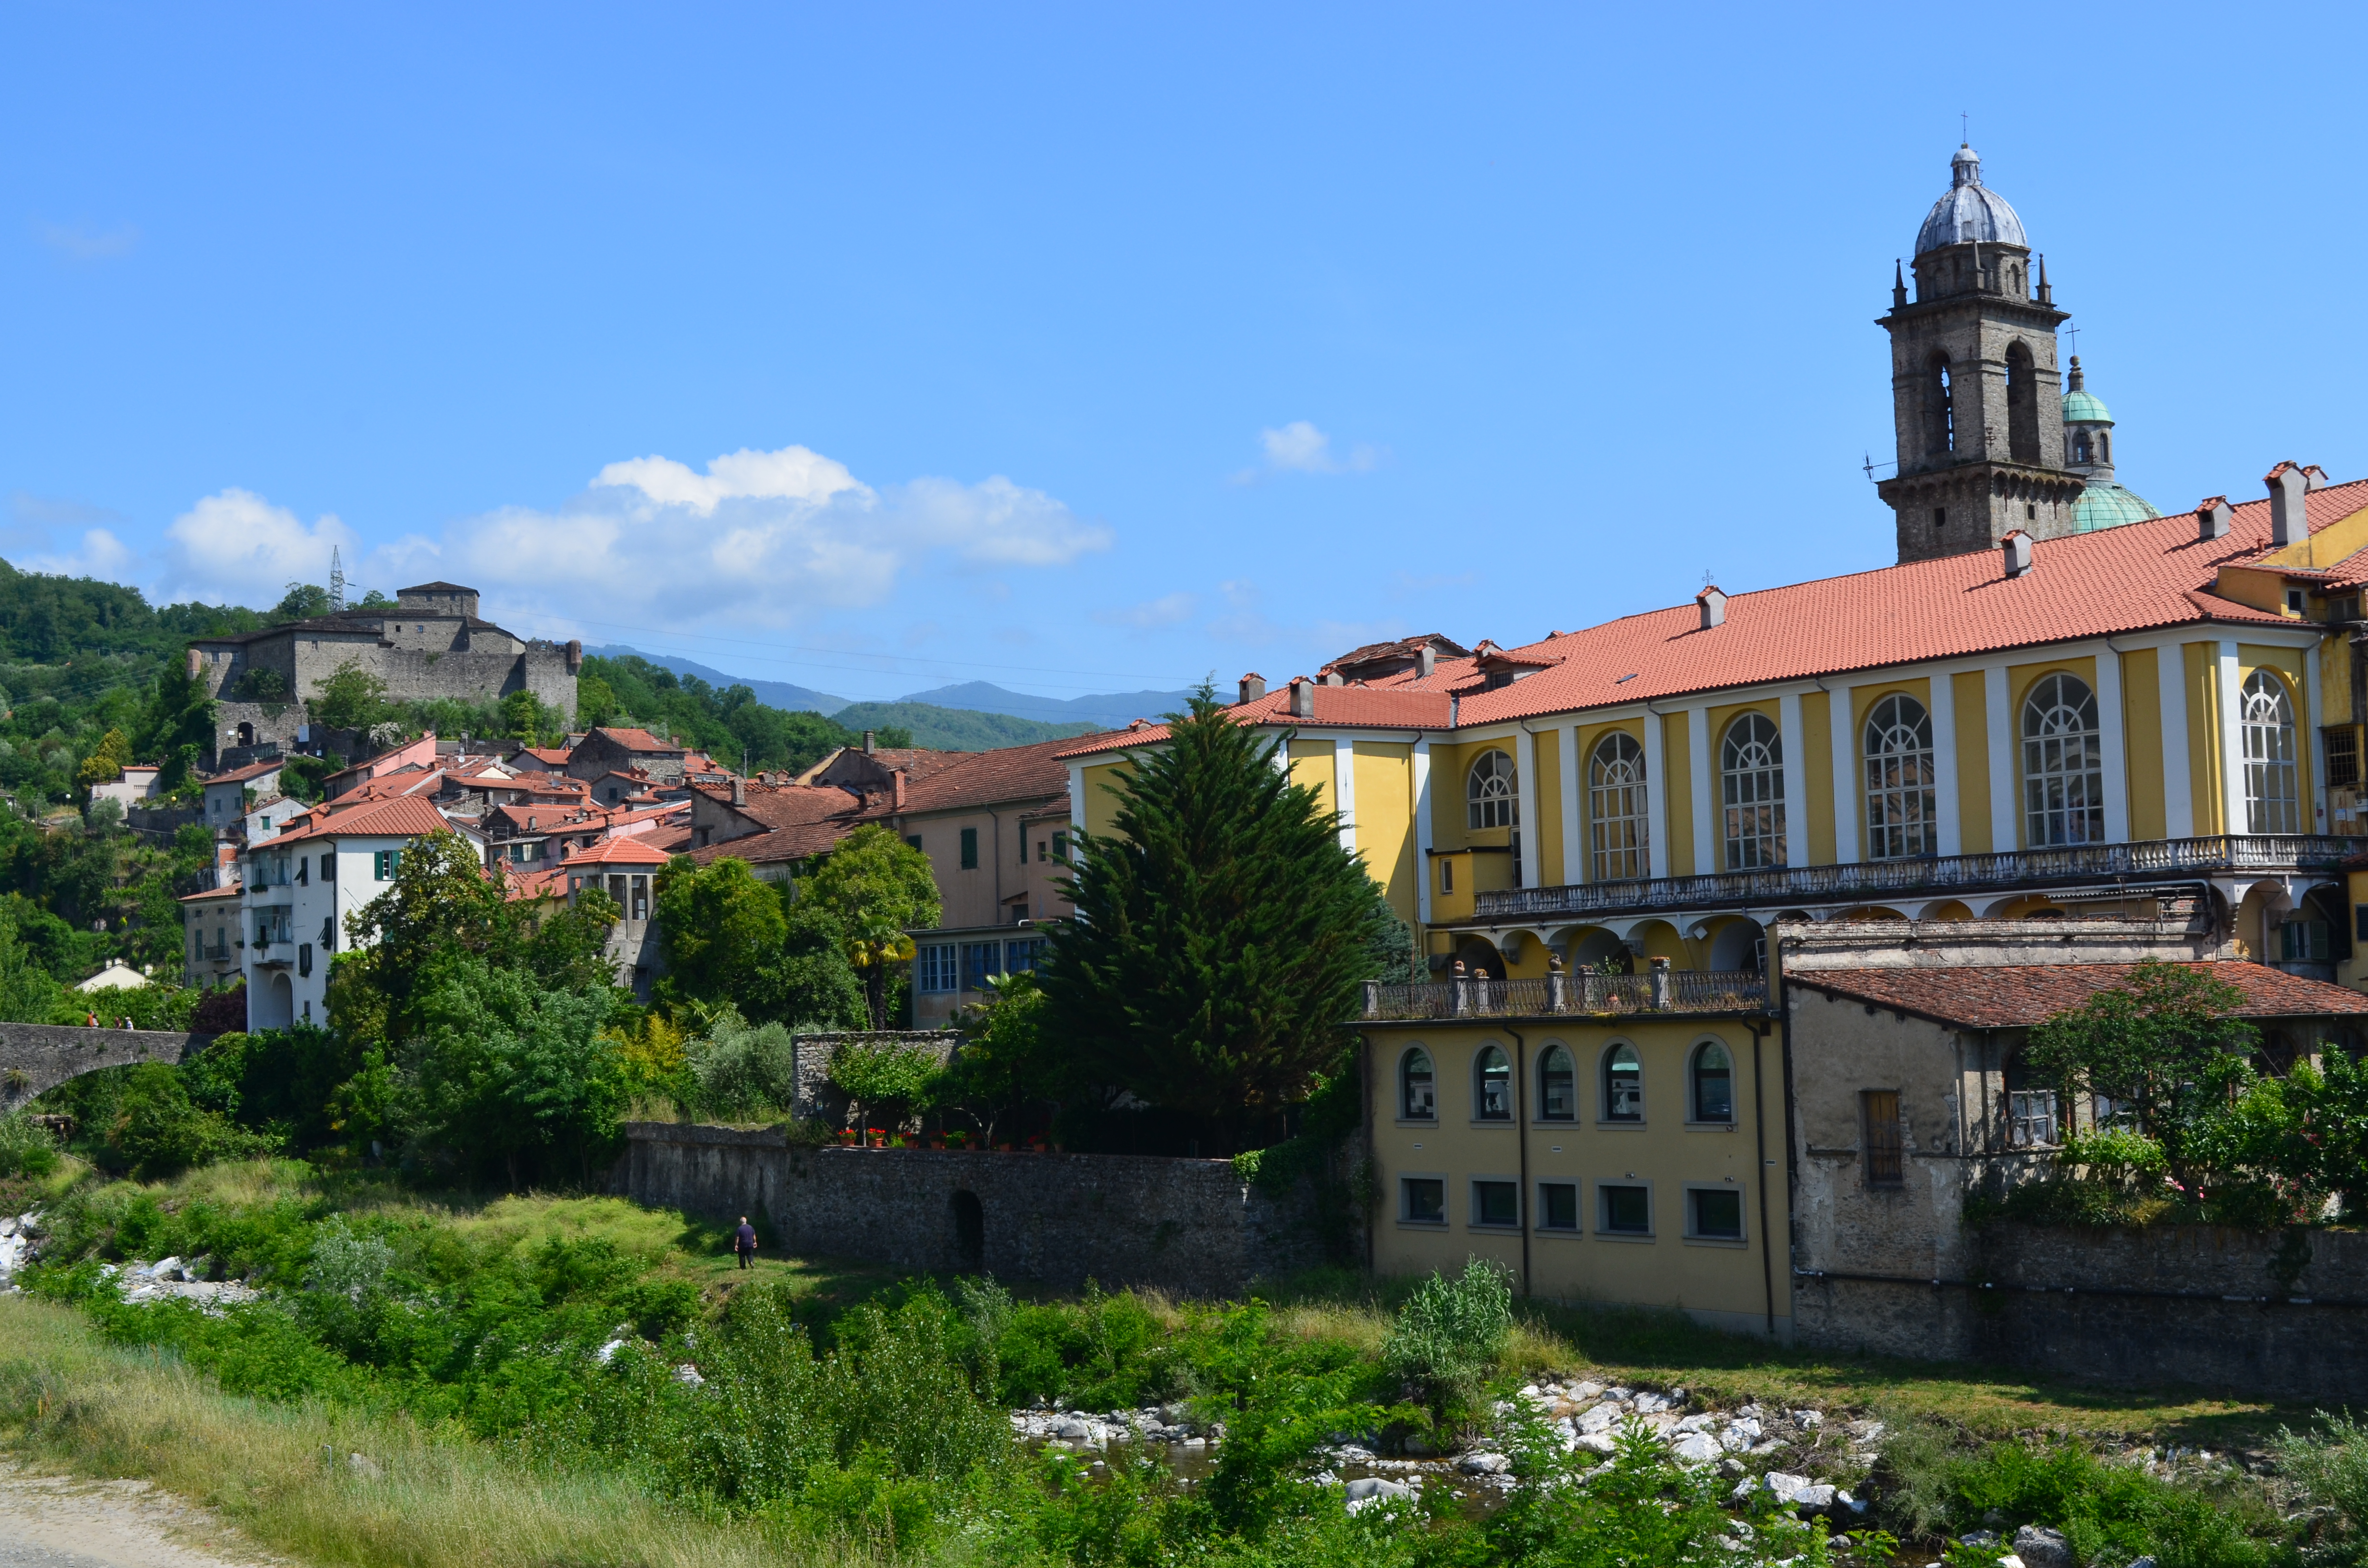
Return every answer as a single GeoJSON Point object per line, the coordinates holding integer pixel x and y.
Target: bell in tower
{"type": "Point", "coordinates": [1974, 388]}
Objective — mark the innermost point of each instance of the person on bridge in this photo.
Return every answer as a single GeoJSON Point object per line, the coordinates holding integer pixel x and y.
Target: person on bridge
{"type": "Point", "coordinates": [743, 1241]}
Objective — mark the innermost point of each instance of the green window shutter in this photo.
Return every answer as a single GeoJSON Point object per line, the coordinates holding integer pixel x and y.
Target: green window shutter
{"type": "Point", "coordinates": [970, 849]}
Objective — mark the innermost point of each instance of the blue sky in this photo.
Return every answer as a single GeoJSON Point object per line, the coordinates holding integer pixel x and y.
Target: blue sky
{"type": "Point", "coordinates": [1083, 349]}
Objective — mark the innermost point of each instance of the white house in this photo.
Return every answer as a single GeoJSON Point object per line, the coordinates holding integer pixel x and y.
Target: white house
{"type": "Point", "coordinates": [226, 792]}
{"type": "Point", "coordinates": [298, 888]}
{"type": "Point", "coordinates": [137, 786]}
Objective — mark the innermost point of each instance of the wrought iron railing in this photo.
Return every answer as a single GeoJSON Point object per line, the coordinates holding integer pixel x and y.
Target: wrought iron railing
{"type": "Point", "coordinates": [2148, 860]}
{"type": "Point", "coordinates": [1584, 993]}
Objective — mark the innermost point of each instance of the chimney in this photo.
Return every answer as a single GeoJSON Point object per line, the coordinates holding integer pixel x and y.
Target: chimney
{"type": "Point", "coordinates": [899, 777]}
{"type": "Point", "coordinates": [1302, 698]}
{"type": "Point", "coordinates": [1712, 604]}
{"type": "Point", "coordinates": [1253, 687]}
{"type": "Point", "coordinates": [2016, 548]}
{"type": "Point", "coordinates": [1425, 657]}
{"type": "Point", "coordinates": [2317, 475]}
{"type": "Point", "coordinates": [2288, 485]}
{"type": "Point", "coordinates": [1333, 677]}
{"type": "Point", "coordinates": [739, 791]}
{"type": "Point", "coordinates": [2212, 518]}
{"type": "Point", "coordinates": [870, 741]}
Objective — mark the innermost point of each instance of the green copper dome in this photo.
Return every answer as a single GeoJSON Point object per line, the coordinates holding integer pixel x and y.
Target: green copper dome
{"type": "Point", "coordinates": [2084, 408]}
{"type": "Point", "coordinates": [2105, 504]}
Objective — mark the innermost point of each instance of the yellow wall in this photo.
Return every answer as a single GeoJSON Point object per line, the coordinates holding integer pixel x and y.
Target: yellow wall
{"type": "Point", "coordinates": [2142, 743]}
{"type": "Point", "coordinates": [1547, 830]}
{"type": "Point", "coordinates": [1101, 806]}
{"type": "Point", "coordinates": [1677, 787]}
{"type": "Point", "coordinates": [1311, 766]}
{"type": "Point", "coordinates": [1728, 1283]}
{"type": "Point", "coordinates": [1818, 769]}
{"type": "Point", "coordinates": [1385, 819]}
{"type": "Point", "coordinates": [1973, 763]}
{"type": "Point", "coordinates": [2203, 735]}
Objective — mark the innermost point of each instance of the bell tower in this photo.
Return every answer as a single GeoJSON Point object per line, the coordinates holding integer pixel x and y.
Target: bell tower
{"type": "Point", "coordinates": [1976, 400]}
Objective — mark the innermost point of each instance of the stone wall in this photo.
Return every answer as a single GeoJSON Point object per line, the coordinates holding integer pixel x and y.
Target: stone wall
{"type": "Point", "coordinates": [1186, 1226]}
{"type": "Point", "coordinates": [2281, 1315]}
{"type": "Point", "coordinates": [35, 1057]}
{"type": "Point", "coordinates": [818, 1099]}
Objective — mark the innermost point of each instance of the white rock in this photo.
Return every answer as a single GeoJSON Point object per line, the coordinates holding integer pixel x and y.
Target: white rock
{"type": "Point", "coordinates": [1738, 1436]}
{"type": "Point", "coordinates": [166, 1268]}
{"type": "Point", "coordinates": [1368, 1490]}
{"type": "Point", "coordinates": [1697, 1423]}
{"type": "Point", "coordinates": [1484, 1465]}
{"type": "Point", "coordinates": [608, 1353]}
{"type": "Point", "coordinates": [1808, 1420]}
{"type": "Point", "coordinates": [687, 1375]}
{"type": "Point", "coordinates": [1595, 1442]}
{"type": "Point", "coordinates": [364, 1466]}
{"type": "Point", "coordinates": [1694, 1448]}
{"type": "Point", "coordinates": [1597, 1418]}
{"type": "Point", "coordinates": [1646, 1404]}
{"type": "Point", "coordinates": [1585, 1391]}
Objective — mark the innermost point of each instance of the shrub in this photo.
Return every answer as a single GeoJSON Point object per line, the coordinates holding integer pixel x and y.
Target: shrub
{"type": "Point", "coordinates": [27, 1148]}
{"type": "Point", "coordinates": [744, 1070]}
{"type": "Point", "coordinates": [2332, 1471]}
{"type": "Point", "coordinates": [1447, 1338]}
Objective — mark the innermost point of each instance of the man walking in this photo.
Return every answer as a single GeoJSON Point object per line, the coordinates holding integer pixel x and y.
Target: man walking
{"type": "Point", "coordinates": [743, 1241]}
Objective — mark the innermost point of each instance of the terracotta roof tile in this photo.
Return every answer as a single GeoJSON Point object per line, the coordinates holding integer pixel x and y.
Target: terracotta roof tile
{"type": "Point", "coordinates": [991, 778]}
{"type": "Point", "coordinates": [616, 852]}
{"type": "Point", "coordinates": [2019, 995]}
{"type": "Point", "coordinates": [252, 770]}
{"type": "Point", "coordinates": [639, 740]}
{"type": "Point", "coordinates": [404, 817]}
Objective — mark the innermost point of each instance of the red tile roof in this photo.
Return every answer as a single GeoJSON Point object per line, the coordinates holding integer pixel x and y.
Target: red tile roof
{"type": "Point", "coordinates": [407, 816]}
{"type": "Point", "coordinates": [2005, 996]}
{"type": "Point", "coordinates": [992, 777]}
{"type": "Point", "coordinates": [252, 770]}
{"type": "Point", "coordinates": [638, 740]}
{"type": "Point", "coordinates": [1420, 705]}
{"type": "Point", "coordinates": [615, 852]}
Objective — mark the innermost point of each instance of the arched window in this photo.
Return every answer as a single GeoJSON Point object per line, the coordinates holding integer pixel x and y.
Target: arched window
{"type": "Point", "coordinates": [1557, 1087]}
{"type": "Point", "coordinates": [1418, 1087]}
{"type": "Point", "coordinates": [1616, 808]}
{"type": "Point", "coordinates": [2272, 800]}
{"type": "Point", "coordinates": [1492, 1086]}
{"type": "Point", "coordinates": [2104, 446]}
{"type": "Point", "coordinates": [1713, 1083]}
{"type": "Point", "coordinates": [1493, 791]}
{"type": "Point", "coordinates": [2062, 764]}
{"type": "Point", "coordinates": [1624, 1085]}
{"type": "Point", "coordinates": [1899, 781]}
{"type": "Point", "coordinates": [2022, 405]}
{"type": "Point", "coordinates": [1940, 413]}
{"type": "Point", "coordinates": [2081, 448]}
{"type": "Point", "coordinates": [1751, 789]}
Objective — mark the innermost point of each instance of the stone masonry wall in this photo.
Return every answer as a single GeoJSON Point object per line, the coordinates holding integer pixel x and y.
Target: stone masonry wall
{"type": "Point", "coordinates": [35, 1057]}
{"type": "Point", "coordinates": [817, 1100]}
{"type": "Point", "coordinates": [1185, 1226]}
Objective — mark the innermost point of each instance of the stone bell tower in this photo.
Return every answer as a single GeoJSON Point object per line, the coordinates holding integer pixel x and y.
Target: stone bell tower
{"type": "Point", "coordinates": [1974, 395]}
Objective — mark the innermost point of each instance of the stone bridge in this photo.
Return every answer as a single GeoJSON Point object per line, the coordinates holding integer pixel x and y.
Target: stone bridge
{"type": "Point", "coordinates": [34, 1057]}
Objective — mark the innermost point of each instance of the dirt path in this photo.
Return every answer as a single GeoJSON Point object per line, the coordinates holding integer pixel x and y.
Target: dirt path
{"type": "Point", "coordinates": [50, 1521]}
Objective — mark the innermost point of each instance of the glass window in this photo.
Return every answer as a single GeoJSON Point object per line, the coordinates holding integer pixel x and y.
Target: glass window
{"type": "Point", "coordinates": [1557, 1206]}
{"type": "Point", "coordinates": [1714, 1213]}
{"type": "Point", "coordinates": [2063, 764]}
{"type": "Point", "coordinates": [1627, 1210]}
{"type": "Point", "coordinates": [2030, 1117]}
{"type": "Point", "coordinates": [1617, 809]}
{"type": "Point", "coordinates": [1751, 792]}
{"type": "Point", "coordinates": [1713, 1084]}
{"type": "Point", "coordinates": [1557, 1087]}
{"type": "Point", "coordinates": [970, 849]}
{"type": "Point", "coordinates": [1019, 957]}
{"type": "Point", "coordinates": [1496, 1203]}
{"type": "Point", "coordinates": [1425, 1199]}
{"type": "Point", "coordinates": [1061, 847]}
{"type": "Point", "coordinates": [934, 967]}
{"type": "Point", "coordinates": [2273, 803]}
{"type": "Point", "coordinates": [1418, 1088]}
{"type": "Point", "coordinates": [1493, 1083]}
{"type": "Point", "coordinates": [1492, 794]}
{"type": "Point", "coordinates": [1899, 802]}
{"type": "Point", "coordinates": [1884, 1138]}
{"type": "Point", "coordinates": [1624, 1085]}
{"type": "Point", "coordinates": [913, 839]}
{"type": "Point", "coordinates": [980, 962]}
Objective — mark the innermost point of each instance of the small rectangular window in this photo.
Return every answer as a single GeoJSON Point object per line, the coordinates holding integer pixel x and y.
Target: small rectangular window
{"type": "Point", "coordinates": [1425, 1199]}
{"type": "Point", "coordinates": [2031, 1119]}
{"type": "Point", "coordinates": [970, 849]}
{"type": "Point", "coordinates": [1043, 851]}
{"type": "Point", "coordinates": [913, 839]}
{"type": "Point", "coordinates": [328, 866]}
{"type": "Point", "coordinates": [2304, 941]}
{"type": "Point", "coordinates": [1447, 876]}
{"type": "Point", "coordinates": [2360, 921]}
{"type": "Point", "coordinates": [1496, 1203]}
{"type": "Point", "coordinates": [1019, 957]}
{"type": "Point", "coordinates": [305, 958]}
{"type": "Point", "coordinates": [2342, 743]}
{"type": "Point", "coordinates": [1714, 1213]}
{"type": "Point", "coordinates": [1557, 1206]}
{"type": "Point", "coordinates": [935, 968]}
{"type": "Point", "coordinates": [1626, 1210]}
{"type": "Point", "coordinates": [1884, 1142]}
{"type": "Point", "coordinates": [1061, 847]}
{"type": "Point", "coordinates": [980, 961]}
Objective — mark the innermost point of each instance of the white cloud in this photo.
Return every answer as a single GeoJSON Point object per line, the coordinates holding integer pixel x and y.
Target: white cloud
{"type": "Point", "coordinates": [1300, 447]}
{"type": "Point", "coordinates": [238, 547]}
{"type": "Point", "coordinates": [80, 242]}
{"type": "Point", "coordinates": [100, 554]}
{"type": "Point", "coordinates": [1168, 609]}
{"type": "Point", "coordinates": [793, 473]}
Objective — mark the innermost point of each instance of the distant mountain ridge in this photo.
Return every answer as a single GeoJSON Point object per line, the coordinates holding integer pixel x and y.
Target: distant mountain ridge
{"type": "Point", "coordinates": [771, 693]}
{"type": "Point", "coordinates": [954, 729]}
{"type": "Point", "coordinates": [1057, 715]}
{"type": "Point", "coordinates": [1109, 710]}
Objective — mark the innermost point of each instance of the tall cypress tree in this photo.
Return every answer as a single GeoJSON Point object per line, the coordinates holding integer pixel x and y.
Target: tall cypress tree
{"type": "Point", "coordinates": [1220, 932]}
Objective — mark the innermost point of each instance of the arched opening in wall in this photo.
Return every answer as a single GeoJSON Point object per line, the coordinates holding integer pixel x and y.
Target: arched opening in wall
{"type": "Point", "coordinates": [970, 1233]}
{"type": "Point", "coordinates": [275, 1005]}
{"type": "Point", "coordinates": [1739, 947]}
{"type": "Point", "coordinates": [2104, 446]}
{"type": "Point", "coordinates": [2081, 449]}
{"type": "Point", "coordinates": [1599, 947]}
{"type": "Point", "coordinates": [2022, 405]}
{"type": "Point", "coordinates": [246, 734]}
{"type": "Point", "coordinates": [1478, 955]}
{"type": "Point", "coordinates": [1941, 427]}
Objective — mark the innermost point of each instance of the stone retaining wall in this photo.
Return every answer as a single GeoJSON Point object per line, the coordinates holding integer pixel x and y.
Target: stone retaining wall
{"type": "Point", "coordinates": [1186, 1226]}
{"type": "Point", "coordinates": [2262, 1312]}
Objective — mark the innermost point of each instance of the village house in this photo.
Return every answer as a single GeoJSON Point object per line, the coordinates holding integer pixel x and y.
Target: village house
{"type": "Point", "coordinates": [213, 949]}
{"type": "Point", "coordinates": [623, 751]}
{"type": "Point", "coordinates": [226, 793]}
{"type": "Point", "coordinates": [298, 888]}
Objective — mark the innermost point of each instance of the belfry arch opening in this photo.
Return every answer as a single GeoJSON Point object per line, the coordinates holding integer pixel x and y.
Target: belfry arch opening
{"type": "Point", "coordinates": [2022, 405]}
{"type": "Point", "coordinates": [1940, 410]}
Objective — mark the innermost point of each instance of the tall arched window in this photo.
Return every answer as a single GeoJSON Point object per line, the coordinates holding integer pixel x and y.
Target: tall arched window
{"type": "Point", "coordinates": [1557, 1086]}
{"type": "Point", "coordinates": [1616, 808]}
{"type": "Point", "coordinates": [1940, 413]}
{"type": "Point", "coordinates": [1492, 1086]}
{"type": "Point", "coordinates": [1493, 791]}
{"type": "Point", "coordinates": [2022, 405]}
{"type": "Point", "coordinates": [1713, 1084]}
{"type": "Point", "coordinates": [1899, 781]}
{"type": "Point", "coordinates": [2081, 448]}
{"type": "Point", "coordinates": [2062, 764]}
{"type": "Point", "coordinates": [2272, 796]}
{"type": "Point", "coordinates": [1624, 1085]}
{"type": "Point", "coordinates": [1751, 789]}
{"type": "Point", "coordinates": [1418, 1087]}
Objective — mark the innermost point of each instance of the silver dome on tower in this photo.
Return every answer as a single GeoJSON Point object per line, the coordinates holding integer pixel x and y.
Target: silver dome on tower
{"type": "Point", "coordinates": [1970, 212]}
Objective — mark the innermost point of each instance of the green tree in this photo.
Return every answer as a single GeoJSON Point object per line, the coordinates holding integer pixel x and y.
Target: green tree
{"type": "Point", "coordinates": [1007, 1063]}
{"type": "Point", "coordinates": [442, 907]}
{"type": "Point", "coordinates": [1221, 934]}
{"type": "Point", "coordinates": [508, 1070]}
{"type": "Point", "coordinates": [302, 601]}
{"type": "Point", "coordinates": [351, 699]}
{"type": "Point", "coordinates": [878, 887]}
{"type": "Point", "coordinates": [29, 994]}
{"type": "Point", "coordinates": [2163, 1043]}
{"type": "Point", "coordinates": [524, 718]}
{"type": "Point", "coordinates": [596, 702]}
{"type": "Point", "coordinates": [721, 931]}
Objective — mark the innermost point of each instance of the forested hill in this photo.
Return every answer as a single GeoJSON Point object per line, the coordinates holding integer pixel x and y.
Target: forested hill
{"type": "Point", "coordinates": [728, 723]}
{"type": "Point", "coordinates": [59, 620]}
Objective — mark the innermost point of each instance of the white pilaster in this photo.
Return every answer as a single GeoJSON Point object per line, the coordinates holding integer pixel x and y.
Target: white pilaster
{"type": "Point", "coordinates": [1344, 792]}
{"type": "Point", "coordinates": [1656, 800]}
{"type": "Point", "coordinates": [1797, 780]}
{"type": "Point", "coordinates": [2178, 782]}
{"type": "Point", "coordinates": [1574, 853]}
{"type": "Point", "coordinates": [1078, 800]}
{"type": "Point", "coordinates": [2005, 809]}
{"type": "Point", "coordinates": [1422, 831]}
{"type": "Point", "coordinates": [2309, 720]}
{"type": "Point", "coordinates": [1706, 845]}
{"type": "Point", "coordinates": [1525, 798]}
{"type": "Point", "coordinates": [2112, 748]}
{"type": "Point", "coordinates": [1951, 839]}
{"type": "Point", "coordinates": [1843, 723]}
{"type": "Point", "coordinates": [2233, 818]}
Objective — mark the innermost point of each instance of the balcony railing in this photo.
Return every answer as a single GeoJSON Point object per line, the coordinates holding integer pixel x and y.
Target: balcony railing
{"type": "Point", "coordinates": [2152, 860]}
{"type": "Point", "coordinates": [1583, 994]}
